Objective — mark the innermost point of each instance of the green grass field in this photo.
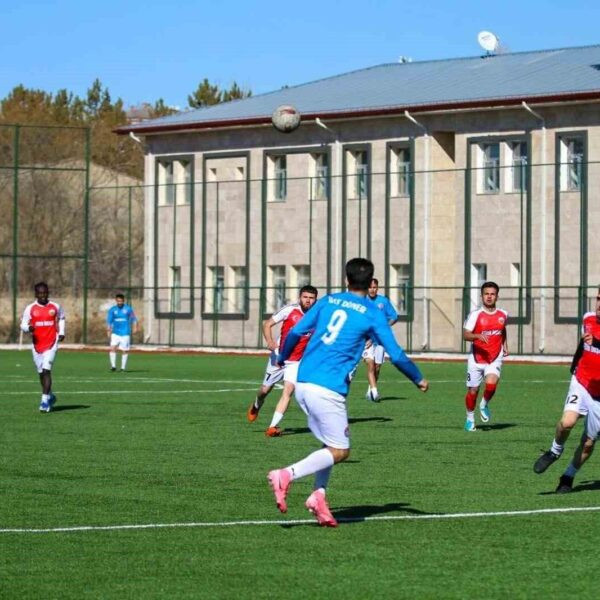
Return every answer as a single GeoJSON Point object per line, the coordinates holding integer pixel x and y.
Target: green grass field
{"type": "Point", "coordinates": [168, 443]}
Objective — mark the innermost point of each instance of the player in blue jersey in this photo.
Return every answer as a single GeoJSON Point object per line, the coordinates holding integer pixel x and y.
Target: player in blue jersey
{"type": "Point", "coordinates": [374, 353]}
{"type": "Point", "coordinates": [341, 323]}
{"type": "Point", "coordinates": [121, 323]}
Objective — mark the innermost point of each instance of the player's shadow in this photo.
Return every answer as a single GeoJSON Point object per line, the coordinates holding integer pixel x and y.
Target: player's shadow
{"type": "Point", "coordinates": [390, 398]}
{"type": "Point", "coordinates": [592, 485]}
{"type": "Point", "coordinates": [62, 407]}
{"type": "Point", "coordinates": [348, 515]}
{"type": "Point", "coordinates": [496, 426]}
{"type": "Point", "coordinates": [353, 421]}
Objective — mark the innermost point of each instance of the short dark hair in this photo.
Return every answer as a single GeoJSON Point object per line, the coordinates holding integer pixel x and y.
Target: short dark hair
{"type": "Point", "coordinates": [359, 272]}
{"type": "Point", "coordinates": [40, 284]}
{"type": "Point", "coordinates": [491, 284]}
{"type": "Point", "coordinates": [375, 281]}
{"type": "Point", "coordinates": [310, 289]}
{"type": "Point", "coordinates": [119, 296]}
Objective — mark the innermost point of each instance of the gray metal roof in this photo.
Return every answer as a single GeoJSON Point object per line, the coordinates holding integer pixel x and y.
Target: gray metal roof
{"type": "Point", "coordinates": [458, 81]}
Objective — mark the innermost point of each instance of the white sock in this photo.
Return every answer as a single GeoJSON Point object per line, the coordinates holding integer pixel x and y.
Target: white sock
{"type": "Point", "coordinates": [570, 471]}
{"type": "Point", "coordinates": [483, 403]}
{"type": "Point", "coordinates": [470, 415]}
{"type": "Point", "coordinates": [557, 448]}
{"type": "Point", "coordinates": [113, 359]}
{"type": "Point", "coordinates": [124, 358]}
{"type": "Point", "coordinates": [256, 403]}
{"type": "Point", "coordinates": [374, 392]}
{"type": "Point", "coordinates": [277, 416]}
{"type": "Point", "coordinates": [45, 397]}
{"type": "Point", "coordinates": [322, 479]}
{"type": "Point", "coordinates": [318, 460]}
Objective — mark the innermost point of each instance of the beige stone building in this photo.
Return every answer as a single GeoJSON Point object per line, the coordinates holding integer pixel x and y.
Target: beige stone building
{"type": "Point", "coordinates": [445, 173]}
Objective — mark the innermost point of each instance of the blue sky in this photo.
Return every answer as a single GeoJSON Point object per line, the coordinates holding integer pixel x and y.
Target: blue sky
{"type": "Point", "coordinates": [143, 51]}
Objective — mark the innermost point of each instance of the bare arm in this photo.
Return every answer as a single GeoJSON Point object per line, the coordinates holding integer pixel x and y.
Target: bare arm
{"type": "Point", "coordinates": [469, 336]}
{"type": "Point", "coordinates": [504, 343]}
{"type": "Point", "coordinates": [267, 326]}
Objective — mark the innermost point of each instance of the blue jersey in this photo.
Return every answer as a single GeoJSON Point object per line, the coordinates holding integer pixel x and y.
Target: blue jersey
{"type": "Point", "coordinates": [120, 319]}
{"type": "Point", "coordinates": [342, 323]}
{"type": "Point", "coordinates": [383, 303]}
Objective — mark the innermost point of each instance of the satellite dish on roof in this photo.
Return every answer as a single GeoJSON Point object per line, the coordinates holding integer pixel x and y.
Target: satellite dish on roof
{"type": "Point", "coordinates": [489, 41]}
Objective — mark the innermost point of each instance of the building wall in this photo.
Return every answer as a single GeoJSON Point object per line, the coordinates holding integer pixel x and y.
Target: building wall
{"type": "Point", "coordinates": [238, 222]}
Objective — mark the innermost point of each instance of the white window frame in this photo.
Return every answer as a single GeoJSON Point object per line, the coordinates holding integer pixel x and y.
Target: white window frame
{"type": "Point", "coordinates": [277, 177]}
{"type": "Point", "coordinates": [358, 174]}
{"type": "Point", "coordinates": [215, 301]}
{"type": "Point", "coordinates": [175, 180]}
{"type": "Point", "coordinates": [516, 175]}
{"type": "Point", "coordinates": [571, 163]}
{"type": "Point", "coordinates": [400, 287]}
{"type": "Point", "coordinates": [175, 289]}
{"type": "Point", "coordinates": [400, 171]}
{"type": "Point", "coordinates": [488, 168]}
{"type": "Point", "coordinates": [319, 176]}
{"type": "Point", "coordinates": [238, 277]}
{"type": "Point", "coordinates": [478, 278]}
{"type": "Point", "coordinates": [277, 286]}
{"type": "Point", "coordinates": [299, 276]}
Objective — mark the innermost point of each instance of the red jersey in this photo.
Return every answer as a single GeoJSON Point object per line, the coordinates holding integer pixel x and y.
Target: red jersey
{"type": "Point", "coordinates": [493, 326]}
{"type": "Point", "coordinates": [48, 322]}
{"type": "Point", "coordinates": [290, 315]}
{"type": "Point", "coordinates": [587, 370]}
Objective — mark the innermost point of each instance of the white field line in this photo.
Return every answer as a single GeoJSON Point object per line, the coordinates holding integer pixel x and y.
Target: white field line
{"type": "Point", "coordinates": [153, 392]}
{"type": "Point", "coordinates": [472, 515]}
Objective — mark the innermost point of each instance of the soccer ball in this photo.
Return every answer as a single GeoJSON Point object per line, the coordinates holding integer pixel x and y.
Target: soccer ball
{"type": "Point", "coordinates": [285, 118]}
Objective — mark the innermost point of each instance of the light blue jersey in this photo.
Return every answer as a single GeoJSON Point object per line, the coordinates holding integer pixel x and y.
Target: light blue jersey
{"type": "Point", "coordinates": [383, 303]}
{"type": "Point", "coordinates": [121, 319]}
{"type": "Point", "coordinates": [342, 323]}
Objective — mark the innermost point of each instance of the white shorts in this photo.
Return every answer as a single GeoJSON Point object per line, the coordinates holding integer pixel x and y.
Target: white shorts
{"type": "Point", "coordinates": [274, 373]}
{"type": "Point", "coordinates": [592, 408]}
{"type": "Point", "coordinates": [476, 372]}
{"type": "Point", "coordinates": [374, 352]}
{"type": "Point", "coordinates": [326, 412]}
{"type": "Point", "coordinates": [43, 360]}
{"type": "Point", "coordinates": [122, 341]}
{"type": "Point", "coordinates": [574, 401]}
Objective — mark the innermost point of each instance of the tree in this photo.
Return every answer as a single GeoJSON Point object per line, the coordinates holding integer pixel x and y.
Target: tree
{"type": "Point", "coordinates": [207, 94]}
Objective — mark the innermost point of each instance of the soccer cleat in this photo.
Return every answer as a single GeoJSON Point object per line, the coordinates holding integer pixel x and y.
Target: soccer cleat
{"type": "Point", "coordinates": [544, 461]}
{"type": "Point", "coordinates": [470, 425]}
{"type": "Point", "coordinates": [252, 413]}
{"type": "Point", "coordinates": [273, 431]}
{"type": "Point", "coordinates": [113, 369]}
{"type": "Point", "coordinates": [280, 481]}
{"type": "Point", "coordinates": [52, 400]}
{"type": "Point", "coordinates": [484, 413]}
{"type": "Point", "coordinates": [565, 485]}
{"type": "Point", "coordinates": [372, 395]}
{"type": "Point", "coordinates": [317, 504]}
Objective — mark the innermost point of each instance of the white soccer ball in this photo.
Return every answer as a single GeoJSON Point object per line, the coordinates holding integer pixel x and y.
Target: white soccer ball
{"type": "Point", "coordinates": [285, 118]}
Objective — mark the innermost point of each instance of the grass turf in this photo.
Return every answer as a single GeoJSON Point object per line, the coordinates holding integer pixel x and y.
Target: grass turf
{"type": "Point", "coordinates": [168, 442]}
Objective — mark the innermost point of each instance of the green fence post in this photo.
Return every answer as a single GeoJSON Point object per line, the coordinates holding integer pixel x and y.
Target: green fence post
{"type": "Point", "coordinates": [86, 233]}
{"type": "Point", "coordinates": [15, 248]}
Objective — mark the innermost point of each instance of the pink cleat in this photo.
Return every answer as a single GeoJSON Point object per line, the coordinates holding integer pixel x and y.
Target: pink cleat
{"type": "Point", "coordinates": [280, 481]}
{"type": "Point", "coordinates": [318, 506]}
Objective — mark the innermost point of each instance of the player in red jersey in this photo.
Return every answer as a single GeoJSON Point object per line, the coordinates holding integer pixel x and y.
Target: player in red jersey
{"type": "Point", "coordinates": [486, 329]}
{"type": "Point", "coordinates": [45, 320]}
{"type": "Point", "coordinates": [583, 400]}
{"type": "Point", "coordinates": [288, 316]}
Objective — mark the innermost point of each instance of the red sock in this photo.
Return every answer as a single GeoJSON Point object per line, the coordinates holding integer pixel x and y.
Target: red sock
{"type": "Point", "coordinates": [471, 400]}
{"type": "Point", "coordinates": [490, 390]}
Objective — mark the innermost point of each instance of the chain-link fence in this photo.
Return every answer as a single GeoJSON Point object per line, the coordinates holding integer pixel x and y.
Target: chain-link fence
{"type": "Point", "coordinates": [208, 252]}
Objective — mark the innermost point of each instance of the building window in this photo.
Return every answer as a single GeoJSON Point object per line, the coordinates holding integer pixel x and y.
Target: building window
{"type": "Point", "coordinates": [358, 171]}
{"type": "Point", "coordinates": [515, 275]}
{"type": "Point", "coordinates": [400, 170]}
{"type": "Point", "coordinates": [175, 290]}
{"type": "Point", "coordinates": [490, 168]}
{"type": "Point", "coordinates": [300, 276]}
{"type": "Point", "coordinates": [571, 163]}
{"type": "Point", "coordinates": [175, 181]}
{"type": "Point", "coordinates": [277, 287]}
{"type": "Point", "coordinates": [277, 178]}
{"type": "Point", "coordinates": [215, 290]}
{"type": "Point", "coordinates": [478, 278]}
{"type": "Point", "coordinates": [319, 177]}
{"type": "Point", "coordinates": [238, 291]}
{"type": "Point", "coordinates": [518, 167]}
{"type": "Point", "coordinates": [400, 287]}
